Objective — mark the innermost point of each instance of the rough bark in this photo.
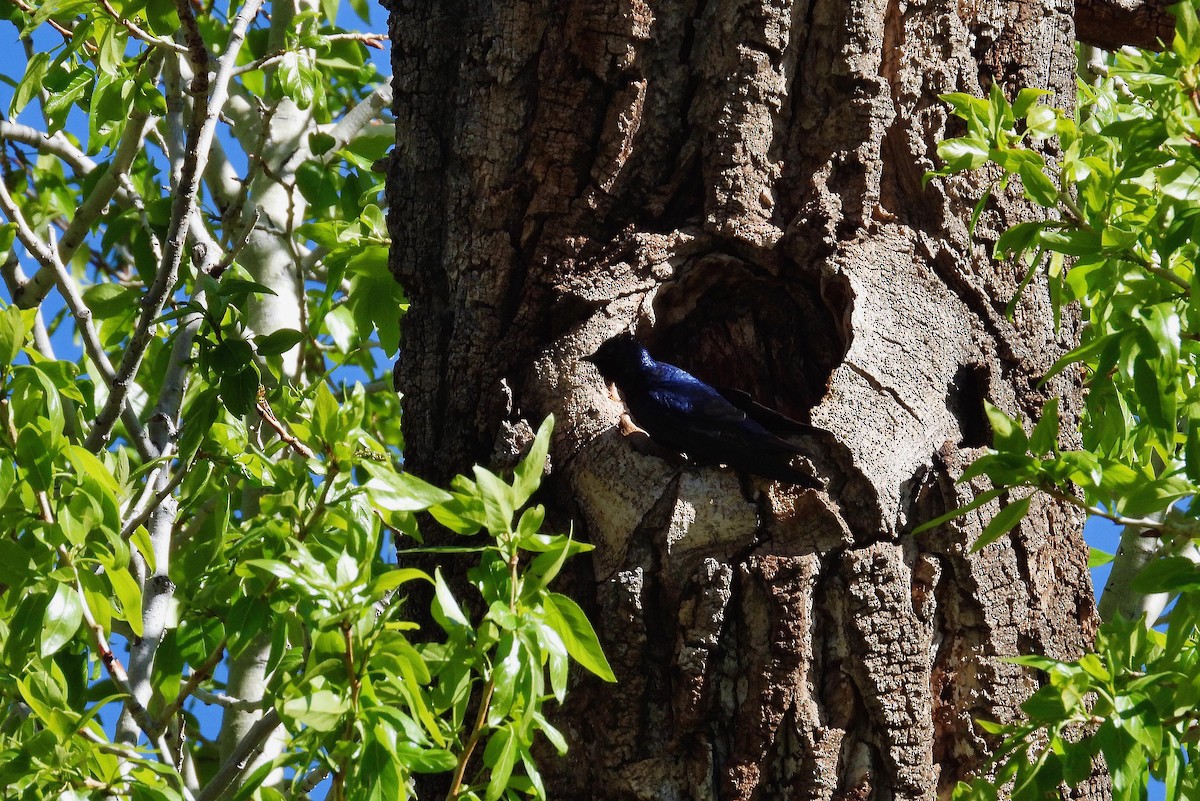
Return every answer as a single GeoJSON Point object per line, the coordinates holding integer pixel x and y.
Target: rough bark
{"type": "Point", "coordinates": [1112, 24]}
{"type": "Point", "coordinates": [740, 182]}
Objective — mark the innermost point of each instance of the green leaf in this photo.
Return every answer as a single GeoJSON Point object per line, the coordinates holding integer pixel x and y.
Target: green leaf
{"type": "Point", "coordinates": [1044, 438]}
{"type": "Point", "coordinates": [497, 497]}
{"type": "Point", "coordinates": [1168, 574]}
{"type": "Point", "coordinates": [1026, 98]}
{"type": "Point", "coordinates": [446, 611]}
{"type": "Point", "coordinates": [976, 502]}
{"type": "Point", "coordinates": [966, 153]}
{"type": "Point", "coordinates": [1097, 557]}
{"type": "Point", "coordinates": [129, 594]}
{"type": "Point", "coordinates": [321, 710]}
{"type": "Point", "coordinates": [1038, 186]}
{"type": "Point", "coordinates": [277, 342]}
{"type": "Point", "coordinates": [12, 335]}
{"type": "Point", "coordinates": [569, 622]}
{"type": "Point", "coordinates": [31, 82]}
{"type": "Point", "coordinates": [394, 578]}
{"type": "Point", "coordinates": [500, 756]}
{"type": "Point", "coordinates": [400, 492]}
{"type": "Point", "coordinates": [36, 462]}
{"type": "Point", "coordinates": [63, 615]}
{"type": "Point", "coordinates": [528, 474]}
{"type": "Point", "coordinates": [1002, 523]}
{"type": "Point", "coordinates": [1180, 181]}
{"type": "Point", "coordinates": [1187, 32]}
{"type": "Point", "coordinates": [1007, 434]}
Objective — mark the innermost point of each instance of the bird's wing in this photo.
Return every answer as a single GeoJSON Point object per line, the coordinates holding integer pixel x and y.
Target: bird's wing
{"type": "Point", "coordinates": [690, 398]}
{"type": "Point", "coordinates": [775, 422]}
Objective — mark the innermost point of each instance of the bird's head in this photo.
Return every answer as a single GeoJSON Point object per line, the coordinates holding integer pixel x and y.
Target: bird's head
{"type": "Point", "coordinates": [620, 359]}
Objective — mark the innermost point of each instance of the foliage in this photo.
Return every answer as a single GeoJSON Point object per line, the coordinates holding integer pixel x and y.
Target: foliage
{"type": "Point", "coordinates": [190, 198]}
{"type": "Point", "coordinates": [1121, 239]}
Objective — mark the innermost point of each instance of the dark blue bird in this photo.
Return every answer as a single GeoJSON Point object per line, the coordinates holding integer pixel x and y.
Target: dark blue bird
{"type": "Point", "coordinates": [683, 413]}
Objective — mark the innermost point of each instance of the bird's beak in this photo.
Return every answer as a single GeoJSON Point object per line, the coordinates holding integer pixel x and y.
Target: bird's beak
{"type": "Point", "coordinates": [590, 358]}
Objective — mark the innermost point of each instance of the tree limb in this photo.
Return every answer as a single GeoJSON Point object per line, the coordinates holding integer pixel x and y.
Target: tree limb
{"type": "Point", "coordinates": [47, 256]}
{"type": "Point", "coordinates": [242, 756]}
{"type": "Point", "coordinates": [136, 32]}
{"type": "Point", "coordinates": [205, 113]}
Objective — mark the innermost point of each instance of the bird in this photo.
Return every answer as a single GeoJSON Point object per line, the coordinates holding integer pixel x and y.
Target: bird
{"type": "Point", "coordinates": [689, 416]}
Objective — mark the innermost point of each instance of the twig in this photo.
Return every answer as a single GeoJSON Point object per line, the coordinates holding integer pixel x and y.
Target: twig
{"type": "Point", "coordinates": [116, 670]}
{"type": "Point", "coordinates": [136, 32]}
{"type": "Point", "coordinates": [237, 247]}
{"type": "Point", "coordinates": [311, 780]}
{"type": "Point", "coordinates": [1144, 263]}
{"type": "Point", "coordinates": [66, 33]}
{"type": "Point", "coordinates": [264, 411]}
{"type": "Point", "coordinates": [59, 145]}
{"type": "Point", "coordinates": [1148, 523]}
{"type": "Point", "coordinates": [205, 113]}
{"type": "Point", "coordinates": [199, 674]}
{"type": "Point", "coordinates": [107, 185]}
{"type": "Point", "coordinates": [227, 701]}
{"type": "Point", "coordinates": [374, 40]}
{"type": "Point", "coordinates": [160, 495]}
{"type": "Point", "coordinates": [48, 257]}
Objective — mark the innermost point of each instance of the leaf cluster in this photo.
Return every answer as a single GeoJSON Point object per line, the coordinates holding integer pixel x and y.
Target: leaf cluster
{"type": "Point", "coordinates": [1120, 239]}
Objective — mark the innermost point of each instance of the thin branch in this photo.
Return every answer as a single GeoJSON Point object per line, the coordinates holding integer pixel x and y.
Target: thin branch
{"type": "Point", "coordinates": [113, 666]}
{"type": "Point", "coordinates": [199, 674]}
{"type": "Point", "coordinates": [1144, 523]}
{"type": "Point", "coordinates": [136, 32]}
{"type": "Point", "coordinates": [237, 247]}
{"type": "Point", "coordinates": [264, 411]}
{"type": "Point", "coordinates": [108, 183]}
{"type": "Point", "coordinates": [358, 118]}
{"type": "Point", "coordinates": [227, 701]}
{"type": "Point", "coordinates": [47, 256]}
{"type": "Point", "coordinates": [205, 113]}
{"type": "Point", "coordinates": [311, 780]}
{"type": "Point", "coordinates": [144, 512]}
{"type": "Point", "coordinates": [55, 145]}
{"type": "Point", "coordinates": [374, 40]}
{"type": "Point", "coordinates": [66, 33]}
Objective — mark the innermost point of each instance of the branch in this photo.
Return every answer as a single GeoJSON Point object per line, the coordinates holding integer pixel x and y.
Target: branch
{"type": "Point", "coordinates": [1112, 24]}
{"type": "Point", "coordinates": [374, 40]}
{"type": "Point", "coordinates": [137, 33]}
{"type": "Point", "coordinates": [205, 113]}
{"type": "Point", "coordinates": [1144, 523]}
{"type": "Point", "coordinates": [264, 411]}
{"type": "Point", "coordinates": [199, 674]}
{"type": "Point", "coordinates": [48, 257]}
{"type": "Point", "coordinates": [311, 780]}
{"type": "Point", "coordinates": [108, 183]}
{"type": "Point", "coordinates": [243, 755]}
{"type": "Point", "coordinates": [58, 145]}
{"type": "Point", "coordinates": [113, 666]}
{"type": "Point", "coordinates": [144, 512]}
{"type": "Point", "coordinates": [66, 33]}
{"type": "Point", "coordinates": [358, 118]}
{"type": "Point", "coordinates": [227, 701]}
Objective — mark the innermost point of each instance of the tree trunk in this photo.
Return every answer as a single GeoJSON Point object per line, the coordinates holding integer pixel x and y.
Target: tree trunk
{"type": "Point", "coordinates": [740, 183]}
